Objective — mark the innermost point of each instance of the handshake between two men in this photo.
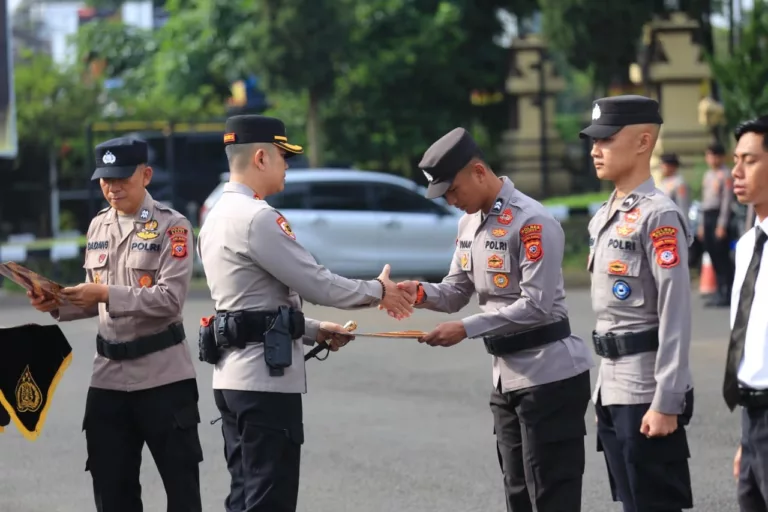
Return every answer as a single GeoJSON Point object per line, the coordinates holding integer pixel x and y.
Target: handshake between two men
{"type": "Point", "coordinates": [398, 301]}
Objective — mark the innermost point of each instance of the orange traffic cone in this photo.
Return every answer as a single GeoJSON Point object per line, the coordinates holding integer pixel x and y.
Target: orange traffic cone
{"type": "Point", "coordinates": [707, 278]}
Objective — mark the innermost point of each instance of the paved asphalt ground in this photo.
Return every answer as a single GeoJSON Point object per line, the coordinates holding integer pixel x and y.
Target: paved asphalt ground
{"type": "Point", "coordinates": [389, 424]}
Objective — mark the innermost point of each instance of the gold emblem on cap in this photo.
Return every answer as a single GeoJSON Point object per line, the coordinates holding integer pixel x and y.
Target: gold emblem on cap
{"type": "Point", "coordinates": [29, 398]}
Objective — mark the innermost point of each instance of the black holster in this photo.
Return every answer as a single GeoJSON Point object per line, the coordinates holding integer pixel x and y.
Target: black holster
{"type": "Point", "coordinates": [208, 352]}
{"type": "Point", "coordinates": [278, 342]}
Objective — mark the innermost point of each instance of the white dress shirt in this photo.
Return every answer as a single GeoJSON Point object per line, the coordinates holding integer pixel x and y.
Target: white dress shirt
{"type": "Point", "coordinates": [753, 369]}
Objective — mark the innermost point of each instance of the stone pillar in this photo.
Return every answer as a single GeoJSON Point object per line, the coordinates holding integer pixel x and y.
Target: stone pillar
{"type": "Point", "coordinates": [677, 76]}
{"type": "Point", "coordinates": [522, 145]}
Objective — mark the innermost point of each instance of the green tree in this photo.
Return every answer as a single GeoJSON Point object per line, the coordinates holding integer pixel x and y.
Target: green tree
{"type": "Point", "coordinates": [410, 72]}
{"type": "Point", "coordinates": [53, 107]}
{"type": "Point", "coordinates": [742, 76]}
{"type": "Point", "coordinates": [296, 46]}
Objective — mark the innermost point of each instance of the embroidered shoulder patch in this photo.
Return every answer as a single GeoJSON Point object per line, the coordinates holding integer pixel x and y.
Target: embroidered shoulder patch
{"type": "Point", "coordinates": [664, 241]}
{"type": "Point", "coordinates": [285, 227]}
{"type": "Point", "coordinates": [178, 237]}
{"type": "Point", "coordinates": [530, 236]}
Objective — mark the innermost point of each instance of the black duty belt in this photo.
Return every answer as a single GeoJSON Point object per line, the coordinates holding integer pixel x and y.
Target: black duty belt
{"type": "Point", "coordinates": [236, 329]}
{"type": "Point", "coordinates": [613, 346]}
{"type": "Point", "coordinates": [531, 338]}
{"type": "Point", "coordinates": [753, 398]}
{"type": "Point", "coordinates": [142, 346]}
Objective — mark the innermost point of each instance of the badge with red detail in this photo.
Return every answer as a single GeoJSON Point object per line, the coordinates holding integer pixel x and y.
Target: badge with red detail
{"type": "Point", "coordinates": [102, 257]}
{"type": "Point", "coordinates": [495, 262]}
{"type": "Point", "coordinates": [501, 280]}
{"type": "Point", "coordinates": [178, 236]}
{"type": "Point", "coordinates": [530, 236]}
{"type": "Point", "coordinates": [618, 268]}
{"type": "Point", "coordinates": [632, 215]}
{"type": "Point", "coordinates": [506, 217]}
{"type": "Point", "coordinates": [624, 230]}
{"type": "Point", "coordinates": [498, 232]}
{"type": "Point", "coordinates": [145, 281]}
{"type": "Point", "coordinates": [285, 227]}
{"type": "Point", "coordinates": [665, 244]}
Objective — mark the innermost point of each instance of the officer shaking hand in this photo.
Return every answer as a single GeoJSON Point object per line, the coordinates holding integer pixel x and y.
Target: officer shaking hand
{"type": "Point", "coordinates": [259, 274]}
{"type": "Point", "coordinates": [143, 388]}
{"type": "Point", "coordinates": [641, 295]}
{"type": "Point", "coordinates": [509, 250]}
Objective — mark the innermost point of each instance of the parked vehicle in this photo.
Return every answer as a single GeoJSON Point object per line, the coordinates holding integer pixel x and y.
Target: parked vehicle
{"type": "Point", "coordinates": [353, 222]}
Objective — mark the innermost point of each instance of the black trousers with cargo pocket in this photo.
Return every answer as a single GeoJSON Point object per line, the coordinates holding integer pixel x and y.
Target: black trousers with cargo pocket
{"type": "Point", "coordinates": [117, 424]}
{"type": "Point", "coordinates": [645, 474]}
{"type": "Point", "coordinates": [263, 433]}
{"type": "Point", "coordinates": [540, 444]}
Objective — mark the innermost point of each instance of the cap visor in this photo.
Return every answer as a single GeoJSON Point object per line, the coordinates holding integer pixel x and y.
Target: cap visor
{"type": "Point", "coordinates": [435, 190]}
{"type": "Point", "coordinates": [599, 131]}
{"type": "Point", "coordinates": [291, 149]}
{"type": "Point", "coordinates": [113, 172]}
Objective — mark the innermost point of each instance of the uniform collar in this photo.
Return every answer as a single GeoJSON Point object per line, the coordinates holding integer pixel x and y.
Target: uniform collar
{"type": "Point", "coordinates": [503, 199]}
{"type": "Point", "coordinates": [144, 214]}
{"type": "Point", "coordinates": [646, 188]}
{"type": "Point", "coordinates": [239, 188]}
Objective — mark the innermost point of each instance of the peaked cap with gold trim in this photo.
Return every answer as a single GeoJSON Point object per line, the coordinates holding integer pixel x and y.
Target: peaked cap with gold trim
{"type": "Point", "coordinates": [35, 358]}
{"type": "Point", "coordinates": [250, 129]}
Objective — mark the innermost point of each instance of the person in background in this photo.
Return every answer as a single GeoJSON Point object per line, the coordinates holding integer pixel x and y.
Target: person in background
{"type": "Point", "coordinates": [716, 211]}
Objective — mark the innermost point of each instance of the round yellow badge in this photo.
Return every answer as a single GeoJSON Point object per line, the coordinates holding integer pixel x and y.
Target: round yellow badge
{"type": "Point", "coordinates": [501, 280]}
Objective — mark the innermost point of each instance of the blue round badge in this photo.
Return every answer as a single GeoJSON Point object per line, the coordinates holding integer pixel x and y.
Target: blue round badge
{"type": "Point", "coordinates": [621, 290]}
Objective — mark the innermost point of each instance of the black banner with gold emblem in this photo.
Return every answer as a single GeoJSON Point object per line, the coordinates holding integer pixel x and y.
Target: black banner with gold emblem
{"type": "Point", "coordinates": [34, 358]}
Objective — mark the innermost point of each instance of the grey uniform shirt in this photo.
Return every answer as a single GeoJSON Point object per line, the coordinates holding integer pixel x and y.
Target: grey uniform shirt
{"type": "Point", "coordinates": [148, 268]}
{"type": "Point", "coordinates": [638, 261]}
{"type": "Point", "coordinates": [512, 259]}
{"type": "Point", "coordinates": [678, 191]}
{"type": "Point", "coordinates": [252, 261]}
{"type": "Point", "coordinates": [717, 194]}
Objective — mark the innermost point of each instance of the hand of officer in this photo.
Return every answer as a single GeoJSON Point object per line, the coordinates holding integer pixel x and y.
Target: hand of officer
{"type": "Point", "coordinates": [334, 338]}
{"type": "Point", "coordinates": [720, 233]}
{"type": "Point", "coordinates": [86, 295]}
{"type": "Point", "coordinates": [410, 287]}
{"type": "Point", "coordinates": [700, 232]}
{"type": "Point", "coordinates": [397, 302]}
{"type": "Point", "coordinates": [42, 303]}
{"type": "Point", "coordinates": [656, 424]}
{"type": "Point", "coordinates": [445, 335]}
{"type": "Point", "coordinates": [737, 463]}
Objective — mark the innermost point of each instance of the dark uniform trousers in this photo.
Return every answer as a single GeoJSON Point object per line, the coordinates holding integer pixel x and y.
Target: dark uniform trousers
{"type": "Point", "coordinates": [118, 423]}
{"type": "Point", "coordinates": [263, 433]}
{"type": "Point", "coordinates": [719, 251]}
{"type": "Point", "coordinates": [753, 471]}
{"type": "Point", "coordinates": [540, 444]}
{"type": "Point", "coordinates": [645, 474]}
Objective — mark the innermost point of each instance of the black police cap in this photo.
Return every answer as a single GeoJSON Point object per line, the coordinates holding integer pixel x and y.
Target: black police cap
{"type": "Point", "coordinates": [250, 129]}
{"type": "Point", "coordinates": [670, 158]}
{"type": "Point", "coordinates": [118, 158]}
{"type": "Point", "coordinates": [609, 115]}
{"type": "Point", "coordinates": [445, 158]}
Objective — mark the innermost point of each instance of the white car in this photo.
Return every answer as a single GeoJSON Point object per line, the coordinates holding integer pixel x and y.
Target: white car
{"type": "Point", "coordinates": [353, 222]}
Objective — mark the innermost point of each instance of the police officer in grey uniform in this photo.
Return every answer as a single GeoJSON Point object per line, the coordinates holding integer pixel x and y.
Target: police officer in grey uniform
{"type": "Point", "coordinates": [673, 184]}
{"type": "Point", "coordinates": [143, 389]}
{"type": "Point", "coordinates": [509, 250]}
{"type": "Point", "coordinates": [714, 231]}
{"type": "Point", "coordinates": [641, 295]}
{"type": "Point", "coordinates": [258, 274]}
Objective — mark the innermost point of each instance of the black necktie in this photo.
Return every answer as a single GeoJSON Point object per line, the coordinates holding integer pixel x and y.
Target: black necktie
{"type": "Point", "coordinates": [739, 331]}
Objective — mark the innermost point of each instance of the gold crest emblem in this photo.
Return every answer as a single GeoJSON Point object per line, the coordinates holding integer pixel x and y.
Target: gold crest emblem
{"type": "Point", "coordinates": [96, 278]}
{"type": "Point", "coordinates": [464, 260]}
{"type": "Point", "coordinates": [150, 231]}
{"type": "Point", "coordinates": [29, 398]}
